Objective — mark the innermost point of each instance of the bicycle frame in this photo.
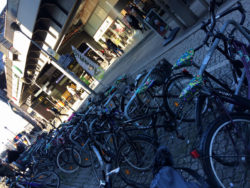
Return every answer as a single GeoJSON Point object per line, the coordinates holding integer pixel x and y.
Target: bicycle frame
{"type": "Point", "coordinates": [223, 96]}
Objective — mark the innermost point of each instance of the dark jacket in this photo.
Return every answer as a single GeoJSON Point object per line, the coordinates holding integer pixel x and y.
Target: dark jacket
{"type": "Point", "coordinates": [12, 155]}
{"type": "Point", "coordinates": [5, 170]}
{"type": "Point", "coordinates": [111, 45]}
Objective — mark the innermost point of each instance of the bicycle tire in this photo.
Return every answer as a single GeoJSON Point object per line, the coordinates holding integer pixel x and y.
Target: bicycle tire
{"type": "Point", "coordinates": [47, 179]}
{"type": "Point", "coordinates": [85, 161]}
{"type": "Point", "coordinates": [136, 156]}
{"type": "Point", "coordinates": [172, 91]}
{"type": "Point", "coordinates": [65, 161]}
{"type": "Point", "coordinates": [217, 164]}
{"type": "Point", "coordinates": [146, 97]}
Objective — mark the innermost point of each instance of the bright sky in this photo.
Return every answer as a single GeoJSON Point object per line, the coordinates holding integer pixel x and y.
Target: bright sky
{"type": "Point", "coordinates": [12, 121]}
{"type": "Point", "coordinates": [2, 4]}
{"type": "Point", "coordinates": [8, 118]}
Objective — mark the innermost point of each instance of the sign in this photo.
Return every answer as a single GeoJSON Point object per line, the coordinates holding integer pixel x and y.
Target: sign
{"type": "Point", "coordinates": [88, 65]}
{"type": "Point", "coordinates": [156, 23]}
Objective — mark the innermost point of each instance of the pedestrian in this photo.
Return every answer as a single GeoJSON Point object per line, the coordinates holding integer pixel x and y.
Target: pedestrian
{"type": "Point", "coordinates": [133, 22]}
{"type": "Point", "coordinates": [114, 48]}
{"type": "Point", "coordinates": [133, 10]}
{"type": "Point", "coordinates": [13, 155]}
{"type": "Point", "coordinates": [107, 56]}
{"type": "Point", "coordinates": [136, 11]}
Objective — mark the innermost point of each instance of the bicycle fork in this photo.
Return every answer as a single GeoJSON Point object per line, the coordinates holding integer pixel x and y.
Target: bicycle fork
{"type": "Point", "coordinates": [104, 167]}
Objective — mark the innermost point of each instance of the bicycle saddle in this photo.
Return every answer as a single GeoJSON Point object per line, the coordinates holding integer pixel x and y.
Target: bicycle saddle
{"type": "Point", "coordinates": [148, 83]}
{"type": "Point", "coordinates": [192, 88]}
{"type": "Point", "coordinates": [185, 60]}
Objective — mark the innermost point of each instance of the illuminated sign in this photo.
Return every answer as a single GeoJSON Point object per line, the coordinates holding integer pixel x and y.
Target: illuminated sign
{"type": "Point", "coordinates": [17, 74]}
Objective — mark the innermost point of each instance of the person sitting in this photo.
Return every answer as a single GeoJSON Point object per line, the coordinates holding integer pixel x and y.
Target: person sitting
{"type": "Point", "coordinates": [165, 176]}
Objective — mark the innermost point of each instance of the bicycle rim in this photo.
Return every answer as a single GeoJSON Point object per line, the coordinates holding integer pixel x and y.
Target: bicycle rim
{"type": "Point", "coordinates": [227, 145]}
{"type": "Point", "coordinates": [135, 160]}
{"type": "Point", "coordinates": [65, 161]}
{"type": "Point", "coordinates": [84, 160]}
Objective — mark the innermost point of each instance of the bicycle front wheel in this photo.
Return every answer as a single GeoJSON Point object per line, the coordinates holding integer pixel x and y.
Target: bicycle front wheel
{"type": "Point", "coordinates": [47, 179]}
{"type": "Point", "coordinates": [65, 161]}
{"type": "Point", "coordinates": [226, 148]}
{"type": "Point", "coordinates": [135, 159]}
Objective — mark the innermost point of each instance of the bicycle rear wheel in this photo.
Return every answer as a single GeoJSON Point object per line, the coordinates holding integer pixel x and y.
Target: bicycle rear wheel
{"type": "Point", "coordinates": [226, 148]}
{"type": "Point", "coordinates": [47, 179]}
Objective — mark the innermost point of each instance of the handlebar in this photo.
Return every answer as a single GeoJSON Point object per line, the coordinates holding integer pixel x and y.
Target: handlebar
{"type": "Point", "coordinates": [213, 19]}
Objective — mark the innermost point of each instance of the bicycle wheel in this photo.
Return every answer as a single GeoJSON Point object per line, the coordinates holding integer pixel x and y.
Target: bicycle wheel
{"type": "Point", "coordinates": [153, 97]}
{"type": "Point", "coordinates": [84, 161]}
{"type": "Point", "coordinates": [135, 159]}
{"type": "Point", "coordinates": [45, 179]}
{"type": "Point", "coordinates": [226, 148]}
{"type": "Point", "coordinates": [65, 161]}
{"type": "Point", "coordinates": [172, 102]}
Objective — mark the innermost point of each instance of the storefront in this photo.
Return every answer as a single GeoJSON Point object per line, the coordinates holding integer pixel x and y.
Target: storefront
{"type": "Point", "coordinates": [117, 31]}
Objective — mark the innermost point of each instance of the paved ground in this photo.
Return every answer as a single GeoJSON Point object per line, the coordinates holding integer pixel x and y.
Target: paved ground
{"type": "Point", "coordinates": [144, 56]}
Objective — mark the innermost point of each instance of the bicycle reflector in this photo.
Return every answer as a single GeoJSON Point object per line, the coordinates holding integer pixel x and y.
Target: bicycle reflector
{"type": "Point", "coordinates": [185, 71]}
{"type": "Point", "coordinates": [195, 154]}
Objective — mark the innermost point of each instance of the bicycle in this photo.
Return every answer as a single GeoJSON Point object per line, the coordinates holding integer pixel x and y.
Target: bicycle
{"type": "Point", "coordinates": [214, 160]}
{"type": "Point", "coordinates": [109, 142]}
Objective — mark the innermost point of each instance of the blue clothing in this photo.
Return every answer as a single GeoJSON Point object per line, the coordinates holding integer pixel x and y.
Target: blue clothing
{"type": "Point", "coordinates": [168, 177]}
